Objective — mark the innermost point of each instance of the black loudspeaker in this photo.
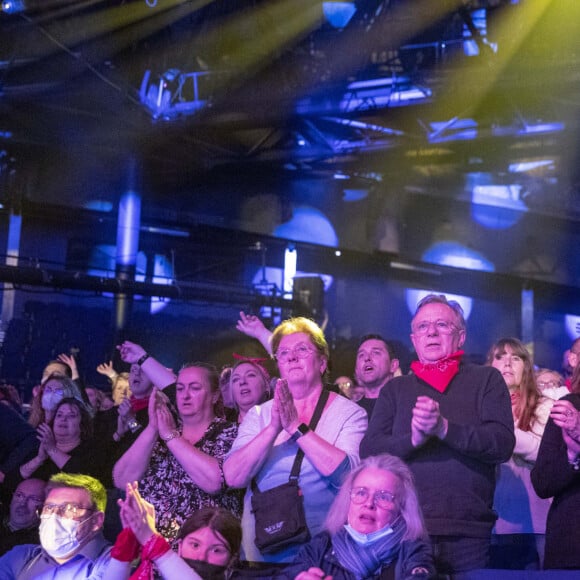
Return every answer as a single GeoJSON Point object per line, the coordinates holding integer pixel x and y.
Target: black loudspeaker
{"type": "Point", "coordinates": [310, 291]}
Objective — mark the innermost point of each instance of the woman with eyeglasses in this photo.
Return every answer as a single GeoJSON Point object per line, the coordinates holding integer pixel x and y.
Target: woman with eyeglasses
{"type": "Point", "coordinates": [519, 533]}
{"type": "Point", "coordinates": [272, 434]}
{"type": "Point", "coordinates": [551, 384]}
{"type": "Point", "coordinates": [374, 529]}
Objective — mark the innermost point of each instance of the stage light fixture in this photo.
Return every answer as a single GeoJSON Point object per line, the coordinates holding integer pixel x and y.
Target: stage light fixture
{"type": "Point", "coordinates": [13, 6]}
{"type": "Point", "coordinates": [338, 14]}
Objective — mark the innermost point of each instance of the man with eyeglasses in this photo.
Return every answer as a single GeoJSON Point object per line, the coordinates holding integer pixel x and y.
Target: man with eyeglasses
{"type": "Point", "coordinates": [71, 540]}
{"type": "Point", "coordinates": [452, 423]}
{"type": "Point", "coordinates": [20, 526]}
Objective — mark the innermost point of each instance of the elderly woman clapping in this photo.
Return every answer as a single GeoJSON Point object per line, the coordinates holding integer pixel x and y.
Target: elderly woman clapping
{"type": "Point", "coordinates": [374, 524]}
{"type": "Point", "coordinates": [272, 433]}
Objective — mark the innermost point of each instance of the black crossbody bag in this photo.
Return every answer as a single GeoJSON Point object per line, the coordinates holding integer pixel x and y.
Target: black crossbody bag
{"type": "Point", "coordinates": [279, 512]}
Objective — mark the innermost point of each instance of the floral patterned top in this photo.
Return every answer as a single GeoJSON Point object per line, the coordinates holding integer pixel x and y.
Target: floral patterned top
{"type": "Point", "coordinates": [175, 496]}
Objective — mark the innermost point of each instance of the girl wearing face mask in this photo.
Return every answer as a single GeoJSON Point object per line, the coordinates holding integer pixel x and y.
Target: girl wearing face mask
{"type": "Point", "coordinates": [373, 528]}
{"type": "Point", "coordinates": [519, 533]}
{"type": "Point", "coordinates": [54, 389]}
{"type": "Point", "coordinates": [208, 542]}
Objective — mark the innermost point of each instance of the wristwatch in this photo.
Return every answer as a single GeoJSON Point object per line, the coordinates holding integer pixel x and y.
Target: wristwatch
{"type": "Point", "coordinates": [171, 435]}
{"type": "Point", "coordinates": [302, 429]}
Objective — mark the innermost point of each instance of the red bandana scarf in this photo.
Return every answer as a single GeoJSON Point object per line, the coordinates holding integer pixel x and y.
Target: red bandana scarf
{"type": "Point", "coordinates": [138, 404]}
{"type": "Point", "coordinates": [155, 547]}
{"type": "Point", "coordinates": [439, 374]}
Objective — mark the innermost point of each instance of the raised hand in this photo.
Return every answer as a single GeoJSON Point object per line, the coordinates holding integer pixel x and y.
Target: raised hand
{"type": "Point", "coordinates": [130, 352]}
{"type": "Point", "coordinates": [71, 362]}
{"type": "Point", "coordinates": [107, 370]}
{"type": "Point", "coordinates": [251, 325]}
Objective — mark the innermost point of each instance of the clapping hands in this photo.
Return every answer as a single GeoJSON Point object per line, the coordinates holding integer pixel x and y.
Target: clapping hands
{"type": "Point", "coordinates": [427, 421]}
{"type": "Point", "coordinates": [567, 417]}
{"type": "Point", "coordinates": [46, 438]}
{"type": "Point", "coordinates": [137, 514]}
{"type": "Point", "coordinates": [160, 417]}
{"type": "Point", "coordinates": [285, 409]}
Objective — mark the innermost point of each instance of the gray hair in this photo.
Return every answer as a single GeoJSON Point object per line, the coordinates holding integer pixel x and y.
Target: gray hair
{"type": "Point", "coordinates": [406, 496]}
{"type": "Point", "coordinates": [442, 299]}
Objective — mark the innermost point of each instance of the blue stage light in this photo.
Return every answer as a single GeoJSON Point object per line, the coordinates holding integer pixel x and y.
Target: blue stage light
{"type": "Point", "coordinates": [338, 14]}
{"type": "Point", "coordinates": [13, 6]}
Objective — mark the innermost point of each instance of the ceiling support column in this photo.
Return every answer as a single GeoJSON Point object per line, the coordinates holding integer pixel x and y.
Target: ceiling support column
{"type": "Point", "coordinates": [128, 226]}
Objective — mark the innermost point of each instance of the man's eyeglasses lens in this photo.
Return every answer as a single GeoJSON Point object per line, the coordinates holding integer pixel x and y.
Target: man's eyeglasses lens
{"type": "Point", "coordinates": [383, 499]}
{"type": "Point", "coordinates": [442, 327]}
{"type": "Point", "coordinates": [66, 510]}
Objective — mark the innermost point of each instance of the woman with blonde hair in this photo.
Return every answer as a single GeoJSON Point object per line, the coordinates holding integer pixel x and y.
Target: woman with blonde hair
{"type": "Point", "coordinates": [373, 525]}
{"type": "Point", "coordinates": [249, 386]}
{"type": "Point", "coordinates": [272, 434]}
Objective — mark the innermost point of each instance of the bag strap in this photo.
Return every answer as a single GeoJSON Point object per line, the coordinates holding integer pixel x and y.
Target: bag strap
{"type": "Point", "coordinates": [295, 471]}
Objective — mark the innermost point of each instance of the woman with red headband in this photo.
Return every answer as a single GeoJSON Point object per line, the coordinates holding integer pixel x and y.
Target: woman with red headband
{"type": "Point", "coordinates": [249, 385]}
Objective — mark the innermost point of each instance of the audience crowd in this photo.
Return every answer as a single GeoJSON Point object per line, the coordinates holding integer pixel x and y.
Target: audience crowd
{"type": "Point", "coordinates": [450, 468]}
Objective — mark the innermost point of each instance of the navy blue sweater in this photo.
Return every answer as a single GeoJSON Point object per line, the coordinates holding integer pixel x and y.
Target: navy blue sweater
{"type": "Point", "coordinates": [455, 478]}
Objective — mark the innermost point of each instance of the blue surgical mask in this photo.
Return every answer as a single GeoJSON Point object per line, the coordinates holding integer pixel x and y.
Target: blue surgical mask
{"type": "Point", "coordinates": [366, 539]}
{"type": "Point", "coordinates": [59, 536]}
{"type": "Point", "coordinates": [50, 400]}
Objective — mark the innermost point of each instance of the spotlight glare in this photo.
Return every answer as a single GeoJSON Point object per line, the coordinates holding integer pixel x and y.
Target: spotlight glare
{"type": "Point", "coordinates": [13, 6]}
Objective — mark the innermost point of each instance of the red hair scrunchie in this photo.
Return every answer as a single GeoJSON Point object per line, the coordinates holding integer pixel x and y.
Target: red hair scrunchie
{"type": "Point", "coordinates": [154, 548]}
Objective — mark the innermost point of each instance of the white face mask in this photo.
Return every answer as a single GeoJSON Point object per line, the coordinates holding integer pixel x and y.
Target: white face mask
{"type": "Point", "coordinates": [59, 536]}
{"type": "Point", "coordinates": [50, 400]}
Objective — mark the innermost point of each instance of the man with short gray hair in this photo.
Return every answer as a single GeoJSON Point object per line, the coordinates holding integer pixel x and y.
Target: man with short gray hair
{"type": "Point", "coordinates": [452, 423]}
